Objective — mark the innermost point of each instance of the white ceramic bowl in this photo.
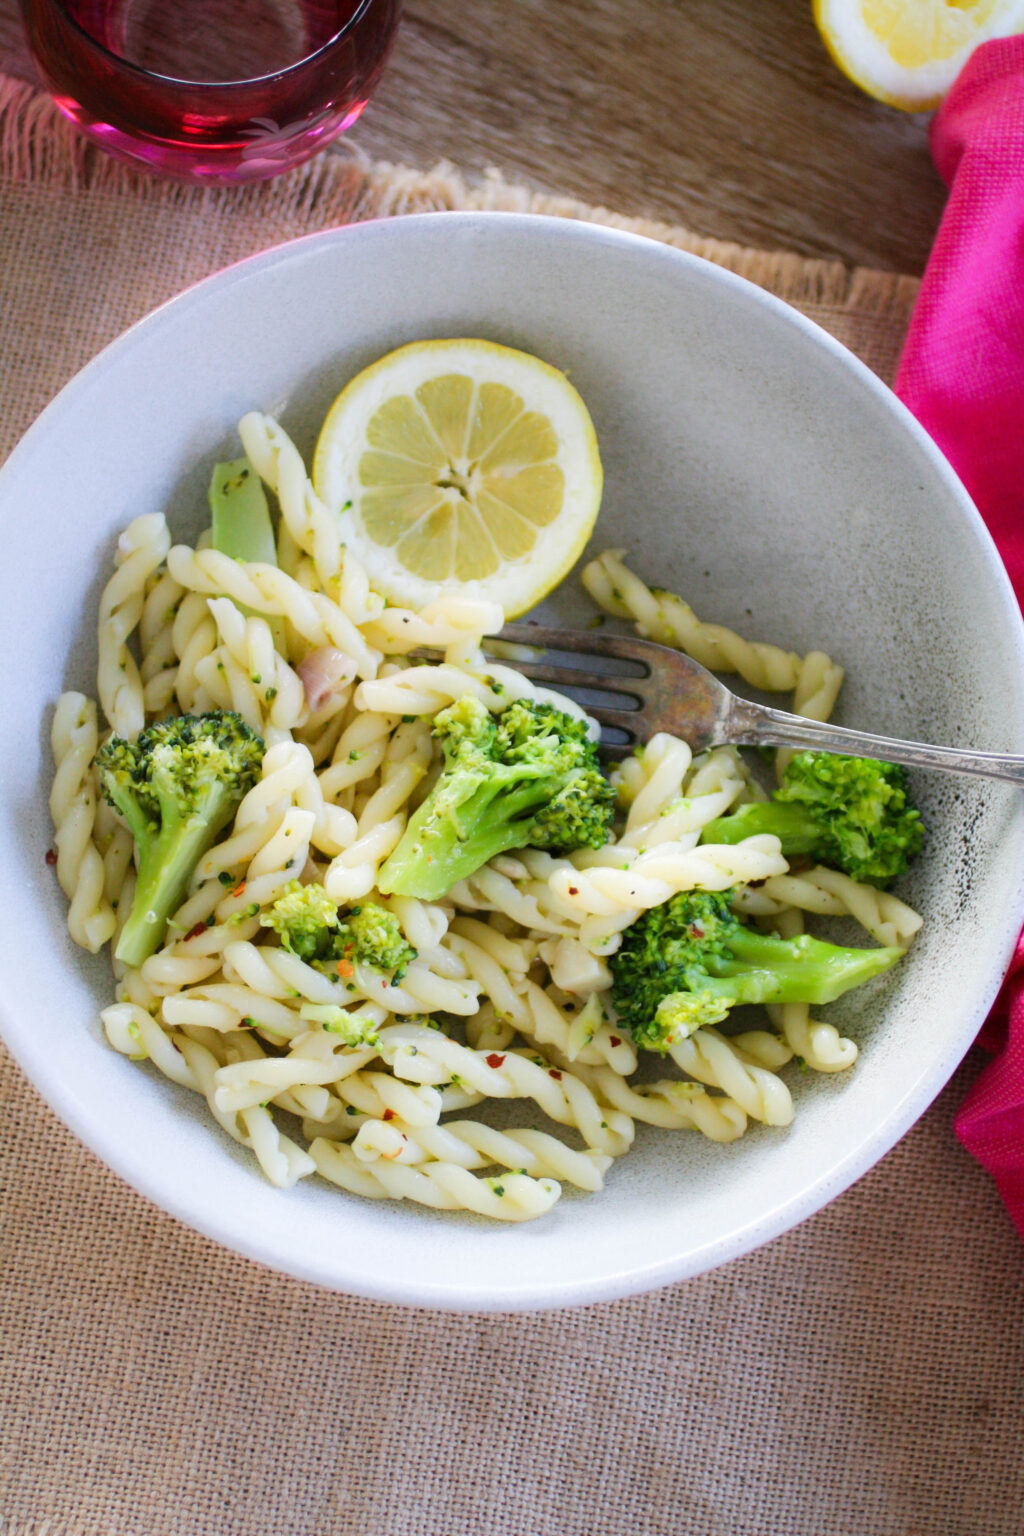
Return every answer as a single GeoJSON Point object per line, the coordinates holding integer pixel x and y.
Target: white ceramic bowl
{"type": "Point", "coordinates": [752, 464]}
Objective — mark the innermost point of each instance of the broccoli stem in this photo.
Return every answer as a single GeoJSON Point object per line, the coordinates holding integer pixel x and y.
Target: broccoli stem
{"type": "Point", "coordinates": [239, 513]}
{"type": "Point", "coordinates": [762, 968]}
{"type": "Point", "coordinates": [166, 863]}
{"type": "Point", "coordinates": [241, 524]}
{"type": "Point", "coordinates": [437, 852]}
{"type": "Point", "coordinates": [797, 830]}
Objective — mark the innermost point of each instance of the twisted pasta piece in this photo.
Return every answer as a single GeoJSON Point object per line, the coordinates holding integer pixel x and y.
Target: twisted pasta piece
{"type": "Point", "coordinates": [718, 1063]}
{"type": "Point", "coordinates": [268, 590]}
{"type": "Point", "coordinates": [223, 1005]}
{"type": "Point", "coordinates": [491, 890]}
{"type": "Point", "coordinates": [134, 1032]}
{"type": "Point", "coordinates": [359, 753]}
{"type": "Point", "coordinates": [661, 616]}
{"type": "Point", "coordinates": [814, 697]}
{"type": "Point", "coordinates": [451, 621]}
{"type": "Point", "coordinates": [334, 829]}
{"type": "Point", "coordinates": [141, 550]}
{"type": "Point", "coordinates": [445, 1186]}
{"type": "Point", "coordinates": [175, 967]}
{"type": "Point", "coordinates": [653, 877]}
{"type": "Point", "coordinates": [356, 1098]}
{"type": "Point", "coordinates": [817, 686]}
{"type": "Point", "coordinates": [353, 873]}
{"type": "Point", "coordinates": [426, 690]}
{"type": "Point", "coordinates": [486, 1032]}
{"type": "Point", "coordinates": [496, 965]}
{"type": "Point", "coordinates": [656, 780]}
{"type": "Point", "coordinates": [264, 687]}
{"type": "Point", "coordinates": [761, 1048]}
{"type": "Point", "coordinates": [579, 1036]}
{"type": "Point", "coordinates": [159, 664]}
{"type": "Point", "coordinates": [678, 818]}
{"type": "Point", "coordinates": [194, 637]}
{"type": "Point", "coordinates": [832, 894]}
{"type": "Point", "coordinates": [819, 1045]}
{"type": "Point", "coordinates": [314, 529]}
{"type": "Point", "coordinates": [117, 857]}
{"type": "Point", "coordinates": [423, 923]}
{"type": "Point", "coordinates": [80, 868]}
{"type": "Point", "coordinates": [670, 1104]}
{"type": "Point", "coordinates": [427, 1056]}
{"type": "Point", "coordinates": [242, 1083]}
{"type": "Point", "coordinates": [279, 974]}
{"type": "Point", "coordinates": [470, 1144]}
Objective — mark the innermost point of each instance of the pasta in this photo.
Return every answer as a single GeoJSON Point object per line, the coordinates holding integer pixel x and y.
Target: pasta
{"type": "Point", "coordinates": [506, 997]}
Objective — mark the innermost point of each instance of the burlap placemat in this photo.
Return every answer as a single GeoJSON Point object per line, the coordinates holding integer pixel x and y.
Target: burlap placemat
{"type": "Point", "coordinates": [862, 1376]}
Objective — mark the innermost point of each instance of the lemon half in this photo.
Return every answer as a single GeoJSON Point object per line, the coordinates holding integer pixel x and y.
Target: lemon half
{"type": "Point", "coordinates": [461, 465]}
{"type": "Point", "coordinates": [908, 52]}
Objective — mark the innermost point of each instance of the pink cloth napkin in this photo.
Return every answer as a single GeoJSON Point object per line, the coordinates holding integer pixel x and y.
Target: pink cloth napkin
{"type": "Point", "coordinates": [962, 374]}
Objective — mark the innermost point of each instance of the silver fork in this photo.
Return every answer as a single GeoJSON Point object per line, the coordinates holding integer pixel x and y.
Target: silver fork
{"type": "Point", "coordinates": [667, 691]}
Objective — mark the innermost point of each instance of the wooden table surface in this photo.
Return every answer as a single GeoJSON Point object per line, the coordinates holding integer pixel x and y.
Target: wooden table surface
{"type": "Point", "coordinates": [726, 116]}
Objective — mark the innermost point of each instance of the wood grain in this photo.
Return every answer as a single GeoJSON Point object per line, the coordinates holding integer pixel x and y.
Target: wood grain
{"type": "Point", "coordinates": [726, 116]}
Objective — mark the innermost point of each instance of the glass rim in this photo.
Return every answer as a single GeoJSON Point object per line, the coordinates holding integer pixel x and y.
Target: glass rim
{"type": "Point", "coordinates": [213, 85]}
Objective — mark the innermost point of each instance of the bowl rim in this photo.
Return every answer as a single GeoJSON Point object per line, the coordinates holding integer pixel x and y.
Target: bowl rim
{"type": "Point", "coordinates": [626, 1280]}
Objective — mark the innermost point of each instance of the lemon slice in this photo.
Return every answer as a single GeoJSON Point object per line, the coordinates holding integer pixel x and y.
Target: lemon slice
{"type": "Point", "coordinates": [909, 52]}
{"type": "Point", "coordinates": [461, 464]}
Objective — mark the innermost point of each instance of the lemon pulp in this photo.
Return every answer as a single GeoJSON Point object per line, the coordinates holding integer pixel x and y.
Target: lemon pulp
{"type": "Point", "coordinates": [458, 464]}
{"type": "Point", "coordinates": [909, 52]}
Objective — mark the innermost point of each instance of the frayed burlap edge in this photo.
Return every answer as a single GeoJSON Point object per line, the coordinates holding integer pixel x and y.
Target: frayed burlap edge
{"type": "Point", "coordinates": [343, 186]}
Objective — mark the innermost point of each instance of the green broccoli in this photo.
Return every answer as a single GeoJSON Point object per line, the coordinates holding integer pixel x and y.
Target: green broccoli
{"type": "Point", "coordinates": [311, 927]}
{"type": "Point", "coordinates": [241, 525]}
{"type": "Point", "coordinates": [177, 787]}
{"type": "Point", "coordinates": [686, 963]}
{"type": "Point", "coordinates": [240, 519]}
{"type": "Point", "coordinates": [377, 938]}
{"type": "Point", "coordinates": [356, 1028]}
{"type": "Point", "coordinates": [848, 811]}
{"type": "Point", "coordinates": [528, 777]}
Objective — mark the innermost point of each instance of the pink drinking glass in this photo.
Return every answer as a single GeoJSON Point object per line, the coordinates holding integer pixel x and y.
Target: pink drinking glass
{"type": "Point", "coordinates": [211, 91]}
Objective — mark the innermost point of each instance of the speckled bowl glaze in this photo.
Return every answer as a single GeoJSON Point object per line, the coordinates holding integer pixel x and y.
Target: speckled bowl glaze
{"type": "Point", "coordinates": [752, 464]}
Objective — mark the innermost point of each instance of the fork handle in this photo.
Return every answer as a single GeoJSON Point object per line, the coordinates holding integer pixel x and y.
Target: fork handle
{"type": "Point", "coordinates": [757, 725]}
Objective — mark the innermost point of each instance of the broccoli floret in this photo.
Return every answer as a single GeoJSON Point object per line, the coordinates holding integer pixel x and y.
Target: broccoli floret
{"type": "Point", "coordinates": [355, 1029]}
{"type": "Point", "coordinates": [311, 927]}
{"type": "Point", "coordinates": [848, 811]}
{"type": "Point", "coordinates": [528, 777]}
{"type": "Point", "coordinates": [378, 939]}
{"type": "Point", "coordinates": [306, 919]}
{"type": "Point", "coordinates": [177, 787]}
{"type": "Point", "coordinates": [686, 963]}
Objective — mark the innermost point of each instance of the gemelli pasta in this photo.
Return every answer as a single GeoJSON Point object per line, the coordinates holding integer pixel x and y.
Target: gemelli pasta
{"type": "Point", "coordinates": [380, 1080]}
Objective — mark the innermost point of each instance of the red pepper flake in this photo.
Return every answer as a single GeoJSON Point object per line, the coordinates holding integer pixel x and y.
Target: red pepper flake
{"type": "Point", "coordinates": [51, 857]}
{"type": "Point", "coordinates": [239, 888]}
{"type": "Point", "coordinates": [389, 1114]}
{"type": "Point", "coordinates": [553, 1072]}
{"type": "Point", "coordinates": [614, 1040]}
{"type": "Point", "coordinates": [194, 933]}
{"type": "Point", "coordinates": [574, 890]}
{"type": "Point", "coordinates": [494, 1060]}
{"type": "Point", "coordinates": [345, 968]}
